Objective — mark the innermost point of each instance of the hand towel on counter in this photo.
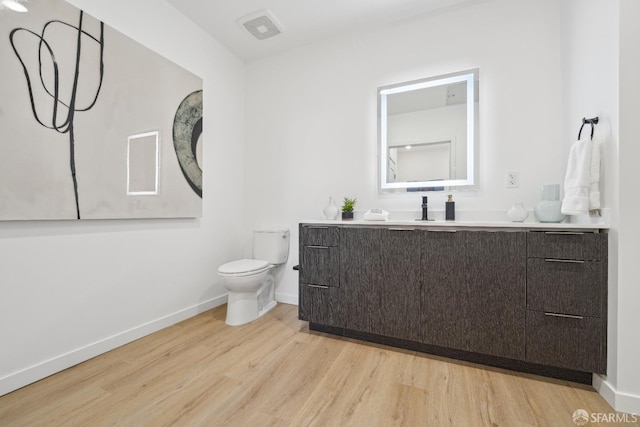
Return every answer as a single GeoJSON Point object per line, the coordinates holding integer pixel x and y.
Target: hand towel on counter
{"type": "Point", "coordinates": [577, 181]}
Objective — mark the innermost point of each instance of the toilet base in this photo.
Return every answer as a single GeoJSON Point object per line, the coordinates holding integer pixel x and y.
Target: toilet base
{"type": "Point", "coordinates": [242, 307]}
{"type": "Point", "coordinates": [267, 308]}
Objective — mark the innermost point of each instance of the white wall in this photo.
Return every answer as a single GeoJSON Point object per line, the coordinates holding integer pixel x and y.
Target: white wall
{"type": "Point", "coordinates": [311, 113]}
{"type": "Point", "coordinates": [628, 295]}
{"type": "Point", "coordinates": [70, 289]}
{"type": "Point", "coordinates": [600, 70]}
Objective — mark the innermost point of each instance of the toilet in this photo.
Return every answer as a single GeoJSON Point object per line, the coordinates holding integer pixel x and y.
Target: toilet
{"type": "Point", "coordinates": [251, 282]}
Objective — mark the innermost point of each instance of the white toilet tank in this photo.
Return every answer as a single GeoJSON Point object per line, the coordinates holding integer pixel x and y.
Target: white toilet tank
{"type": "Point", "coordinates": [271, 245]}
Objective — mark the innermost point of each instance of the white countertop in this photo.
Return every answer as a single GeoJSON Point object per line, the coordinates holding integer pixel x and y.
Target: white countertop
{"type": "Point", "coordinates": [527, 225]}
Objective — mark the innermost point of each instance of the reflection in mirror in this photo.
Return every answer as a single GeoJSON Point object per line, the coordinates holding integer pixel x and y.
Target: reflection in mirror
{"type": "Point", "coordinates": [427, 132]}
{"type": "Point", "coordinates": [428, 161]}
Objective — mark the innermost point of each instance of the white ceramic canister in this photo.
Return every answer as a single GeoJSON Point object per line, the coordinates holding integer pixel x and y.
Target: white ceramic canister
{"type": "Point", "coordinates": [331, 211]}
{"type": "Point", "coordinates": [517, 213]}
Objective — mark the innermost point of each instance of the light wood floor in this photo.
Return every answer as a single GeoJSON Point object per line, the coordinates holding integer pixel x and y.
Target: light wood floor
{"type": "Point", "coordinates": [274, 372]}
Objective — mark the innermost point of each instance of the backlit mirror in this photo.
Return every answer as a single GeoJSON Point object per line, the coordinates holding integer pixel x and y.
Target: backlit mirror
{"type": "Point", "coordinates": [426, 132]}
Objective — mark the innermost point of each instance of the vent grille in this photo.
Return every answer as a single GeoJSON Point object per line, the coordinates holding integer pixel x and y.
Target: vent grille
{"type": "Point", "coordinates": [261, 24]}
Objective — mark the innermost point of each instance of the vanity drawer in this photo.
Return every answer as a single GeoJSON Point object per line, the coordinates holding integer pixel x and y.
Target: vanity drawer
{"type": "Point", "coordinates": [319, 235]}
{"type": "Point", "coordinates": [564, 342]}
{"type": "Point", "coordinates": [320, 265]}
{"type": "Point", "coordinates": [564, 286]}
{"type": "Point", "coordinates": [564, 245]}
{"type": "Point", "coordinates": [319, 304]}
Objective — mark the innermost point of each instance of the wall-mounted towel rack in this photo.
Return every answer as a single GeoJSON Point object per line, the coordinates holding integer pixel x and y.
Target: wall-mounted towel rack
{"type": "Point", "coordinates": [593, 121]}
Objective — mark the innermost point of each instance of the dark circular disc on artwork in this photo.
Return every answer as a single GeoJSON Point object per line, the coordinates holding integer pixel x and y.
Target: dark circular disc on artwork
{"type": "Point", "coordinates": [187, 129]}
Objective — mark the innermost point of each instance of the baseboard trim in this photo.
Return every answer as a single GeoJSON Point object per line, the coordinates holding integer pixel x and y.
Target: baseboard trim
{"type": "Point", "coordinates": [59, 363]}
{"type": "Point", "coordinates": [621, 402]}
{"type": "Point", "coordinates": [287, 298]}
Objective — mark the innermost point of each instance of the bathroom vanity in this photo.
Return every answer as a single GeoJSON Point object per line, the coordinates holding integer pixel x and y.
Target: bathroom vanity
{"type": "Point", "coordinates": [529, 297]}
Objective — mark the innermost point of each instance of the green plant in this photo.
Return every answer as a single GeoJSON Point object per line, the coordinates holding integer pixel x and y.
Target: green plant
{"type": "Point", "coordinates": [348, 204]}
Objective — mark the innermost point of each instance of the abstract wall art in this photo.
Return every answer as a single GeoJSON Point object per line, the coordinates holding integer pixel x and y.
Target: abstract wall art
{"type": "Point", "coordinates": [93, 125]}
{"type": "Point", "coordinates": [187, 130]}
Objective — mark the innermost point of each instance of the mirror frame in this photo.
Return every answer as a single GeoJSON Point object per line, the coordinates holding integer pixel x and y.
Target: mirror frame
{"type": "Point", "coordinates": [469, 77]}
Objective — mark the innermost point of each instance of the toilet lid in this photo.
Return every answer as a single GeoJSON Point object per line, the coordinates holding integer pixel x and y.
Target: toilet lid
{"type": "Point", "coordinates": [243, 266]}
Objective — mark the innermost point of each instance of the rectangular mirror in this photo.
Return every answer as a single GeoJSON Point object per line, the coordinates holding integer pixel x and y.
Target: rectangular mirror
{"type": "Point", "coordinates": [426, 132]}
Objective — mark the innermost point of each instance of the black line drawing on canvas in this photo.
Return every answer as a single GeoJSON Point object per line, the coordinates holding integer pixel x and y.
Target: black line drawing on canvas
{"type": "Point", "coordinates": [50, 76]}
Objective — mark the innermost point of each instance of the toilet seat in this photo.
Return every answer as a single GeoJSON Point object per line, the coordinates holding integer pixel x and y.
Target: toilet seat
{"type": "Point", "coordinates": [243, 267]}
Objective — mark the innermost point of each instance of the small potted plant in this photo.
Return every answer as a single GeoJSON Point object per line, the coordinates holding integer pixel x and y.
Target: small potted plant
{"type": "Point", "coordinates": [347, 208]}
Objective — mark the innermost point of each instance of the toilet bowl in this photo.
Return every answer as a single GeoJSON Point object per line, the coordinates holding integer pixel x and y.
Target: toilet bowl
{"type": "Point", "coordinates": [251, 282]}
{"type": "Point", "coordinates": [245, 280]}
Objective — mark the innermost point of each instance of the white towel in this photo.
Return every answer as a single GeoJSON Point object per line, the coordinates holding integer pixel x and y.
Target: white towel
{"type": "Point", "coordinates": [594, 190]}
{"type": "Point", "coordinates": [577, 181]}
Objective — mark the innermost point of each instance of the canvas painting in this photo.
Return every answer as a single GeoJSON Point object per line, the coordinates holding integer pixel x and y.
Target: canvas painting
{"type": "Point", "coordinates": [93, 125]}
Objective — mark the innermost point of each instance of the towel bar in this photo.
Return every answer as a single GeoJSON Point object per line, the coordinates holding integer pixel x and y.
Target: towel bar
{"type": "Point", "coordinates": [593, 121]}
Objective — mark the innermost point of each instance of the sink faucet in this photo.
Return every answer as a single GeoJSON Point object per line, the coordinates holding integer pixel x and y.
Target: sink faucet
{"type": "Point", "coordinates": [425, 214]}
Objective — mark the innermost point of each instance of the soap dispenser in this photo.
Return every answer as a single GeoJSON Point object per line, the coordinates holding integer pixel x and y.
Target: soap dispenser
{"type": "Point", "coordinates": [450, 209]}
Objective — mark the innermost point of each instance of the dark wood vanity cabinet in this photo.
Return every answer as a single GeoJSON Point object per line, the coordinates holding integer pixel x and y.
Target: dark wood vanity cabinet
{"type": "Point", "coordinates": [526, 296]}
{"type": "Point", "coordinates": [566, 300]}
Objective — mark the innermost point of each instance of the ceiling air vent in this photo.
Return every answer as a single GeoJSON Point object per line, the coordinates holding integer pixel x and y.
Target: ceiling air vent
{"type": "Point", "coordinates": [261, 24]}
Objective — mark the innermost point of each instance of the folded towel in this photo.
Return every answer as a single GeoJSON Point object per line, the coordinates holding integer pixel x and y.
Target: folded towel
{"type": "Point", "coordinates": [594, 190]}
{"type": "Point", "coordinates": [577, 181]}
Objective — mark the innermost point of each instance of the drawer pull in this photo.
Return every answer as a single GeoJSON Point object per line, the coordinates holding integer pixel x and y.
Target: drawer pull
{"type": "Point", "coordinates": [567, 261]}
{"type": "Point", "coordinates": [318, 247]}
{"type": "Point", "coordinates": [401, 229]}
{"type": "Point", "coordinates": [566, 316]}
{"type": "Point", "coordinates": [565, 233]}
{"type": "Point", "coordinates": [442, 231]}
{"type": "Point", "coordinates": [316, 227]}
{"type": "Point", "coordinates": [318, 286]}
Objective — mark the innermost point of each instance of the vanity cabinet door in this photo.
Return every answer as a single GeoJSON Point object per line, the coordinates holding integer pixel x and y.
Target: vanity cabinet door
{"type": "Point", "coordinates": [398, 285]}
{"type": "Point", "coordinates": [442, 322]}
{"type": "Point", "coordinates": [380, 281]}
{"type": "Point", "coordinates": [495, 279]}
{"type": "Point", "coordinates": [473, 296]}
{"type": "Point", "coordinates": [359, 273]}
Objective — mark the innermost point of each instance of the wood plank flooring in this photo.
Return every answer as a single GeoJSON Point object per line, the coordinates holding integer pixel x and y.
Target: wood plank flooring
{"type": "Point", "coordinates": [274, 372]}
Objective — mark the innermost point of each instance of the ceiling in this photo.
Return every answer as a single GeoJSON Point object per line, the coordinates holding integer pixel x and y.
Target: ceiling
{"type": "Point", "coordinates": [304, 21]}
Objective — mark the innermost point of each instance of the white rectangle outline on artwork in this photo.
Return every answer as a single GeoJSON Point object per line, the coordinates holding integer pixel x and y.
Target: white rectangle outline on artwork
{"type": "Point", "coordinates": [157, 162]}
